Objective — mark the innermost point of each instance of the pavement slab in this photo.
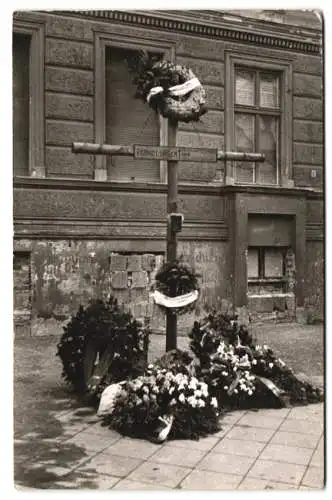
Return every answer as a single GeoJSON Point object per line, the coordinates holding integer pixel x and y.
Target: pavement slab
{"type": "Point", "coordinates": [135, 448]}
{"type": "Point", "coordinates": [277, 471]}
{"type": "Point", "coordinates": [158, 473]}
{"type": "Point", "coordinates": [113, 465]}
{"type": "Point", "coordinates": [242, 448]}
{"type": "Point", "coordinates": [208, 480]}
{"type": "Point", "coordinates": [313, 477]}
{"type": "Point", "coordinates": [295, 439]}
{"type": "Point", "coordinates": [174, 455]}
{"type": "Point", "coordinates": [127, 484]}
{"type": "Point", "coordinates": [250, 433]}
{"type": "Point", "coordinates": [252, 483]}
{"type": "Point", "coordinates": [260, 420]}
{"type": "Point", "coordinates": [289, 454]}
{"type": "Point", "coordinates": [226, 463]}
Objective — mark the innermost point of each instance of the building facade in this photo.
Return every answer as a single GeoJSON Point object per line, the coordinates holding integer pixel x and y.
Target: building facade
{"type": "Point", "coordinates": [86, 226]}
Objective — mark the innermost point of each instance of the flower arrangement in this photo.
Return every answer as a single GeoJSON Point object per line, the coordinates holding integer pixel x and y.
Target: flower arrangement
{"type": "Point", "coordinates": [241, 372]}
{"type": "Point", "coordinates": [102, 344]}
{"type": "Point", "coordinates": [160, 395]}
{"type": "Point", "coordinates": [176, 279]}
{"type": "Point", "coordinates": [170, 89]}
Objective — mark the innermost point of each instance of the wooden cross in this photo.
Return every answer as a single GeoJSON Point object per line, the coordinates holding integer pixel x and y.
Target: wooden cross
{"type": "Point", "coordinates": [172, 154]}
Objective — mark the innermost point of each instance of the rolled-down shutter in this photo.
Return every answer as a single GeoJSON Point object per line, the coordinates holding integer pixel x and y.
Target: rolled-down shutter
{"type": "Point", "coordinates": [128, 121]}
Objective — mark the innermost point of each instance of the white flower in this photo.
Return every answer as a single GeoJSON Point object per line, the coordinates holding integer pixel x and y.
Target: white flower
{"type": "Point", "coordinates": [198, 393]}
{"type": "Point", "coordinates": [250, 392]}
{"type": "Point", "coordinates": [172, 402]}
{"type": "Point", "coordinates": [192, 384]}
{"type": "Point", "coordinates": [145, 389]}
{"type": "Point", "coordinates": [235, 391]}
{"type": "Point", "coordinates": [254, 361]}
{"type": "Point", "coordinates": [271, 365]}
{"type": "Point", "coordinates": [225, 387]}
{"type": "Point", "coordinates": [192, 401]}
{"type": "Point", "coordinates": [224, 373]}
{"type": "Point", "coordinates": [150, 366]}
{"type": "Point", "coordinates": [182, 399]}
{"type": "Point", "coordinates": [214, 402]}
{"type": "Point", "coordinates": [201, 403]}
{"type": "Point", "coordinates": [172, 389]}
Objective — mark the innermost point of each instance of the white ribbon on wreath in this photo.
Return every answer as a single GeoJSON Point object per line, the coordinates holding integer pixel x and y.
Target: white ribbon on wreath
{"type": "Point", "coordinates": [174, 302]}
{"type": "Point", "coordinates": [177, 90]}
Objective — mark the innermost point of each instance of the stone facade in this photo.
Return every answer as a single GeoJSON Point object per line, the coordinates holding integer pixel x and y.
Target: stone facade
{"type": "Point", "coordinates": [77, 237]}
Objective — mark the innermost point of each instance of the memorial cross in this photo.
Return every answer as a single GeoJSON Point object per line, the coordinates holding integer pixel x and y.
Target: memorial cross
{"type": "Point", "coordinates": [172, 154]}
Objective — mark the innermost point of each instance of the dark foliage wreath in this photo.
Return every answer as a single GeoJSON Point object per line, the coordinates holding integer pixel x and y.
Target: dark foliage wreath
{"type": "Point", "coordinates": [175, 278]}
{"type": "Point", "coordinates": [149, 72]}
{"type": "Point", "coordinates": [102, 332]}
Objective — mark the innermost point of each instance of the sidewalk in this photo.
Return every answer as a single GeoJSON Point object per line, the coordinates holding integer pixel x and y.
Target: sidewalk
{"type": "Point", "coordinates": [262, 450]}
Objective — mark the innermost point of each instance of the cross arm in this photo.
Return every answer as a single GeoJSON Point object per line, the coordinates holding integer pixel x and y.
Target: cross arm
{"type": "Point", "coordinates": [129, 150]}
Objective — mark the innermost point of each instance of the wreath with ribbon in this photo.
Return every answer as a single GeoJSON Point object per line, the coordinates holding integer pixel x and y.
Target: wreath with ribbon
{"type": "Point", "coordinates": [170, 89]}
{"type": "Point", "coordinates": [176, 287]}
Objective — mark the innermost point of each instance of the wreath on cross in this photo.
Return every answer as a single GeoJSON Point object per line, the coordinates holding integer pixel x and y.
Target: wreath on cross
{"type": "Point", "coordinates": [176, 287]}
{"type": "Point", "coordinates": [170, 89]}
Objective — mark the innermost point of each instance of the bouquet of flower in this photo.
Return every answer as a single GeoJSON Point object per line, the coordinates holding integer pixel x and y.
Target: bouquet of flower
{"type": "Point", "coordinates": [160, 395]}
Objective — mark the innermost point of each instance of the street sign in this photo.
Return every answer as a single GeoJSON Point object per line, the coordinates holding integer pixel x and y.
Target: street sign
{"type": "Point", "coordinates": [175, 154]}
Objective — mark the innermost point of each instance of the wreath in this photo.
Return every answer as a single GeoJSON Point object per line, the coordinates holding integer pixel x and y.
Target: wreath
{"type": "Point", "coordinates": [170, 89]}
{"type": "Point", "coordinates": [176, 287]}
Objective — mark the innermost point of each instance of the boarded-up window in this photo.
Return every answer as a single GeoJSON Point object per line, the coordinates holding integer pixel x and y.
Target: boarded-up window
{"type": "Point", "coordinates": [21, 100]}
{"type": "Point", "coordinates": [257, 124]}
{"type": "Point", "coordinates": [128, 121]}
{"type": "Point", "coordinates": [266, 263]}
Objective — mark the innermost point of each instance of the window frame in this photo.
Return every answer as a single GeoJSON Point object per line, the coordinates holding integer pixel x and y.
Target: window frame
{"type": "Point", "coordinates": [102, 41]}
{"type": "Point", "coordinates": [274, 64]}
{"type": "Point", "coordinates": [36, 164]}
{"type": "Point", "coordinates": [261, 278]}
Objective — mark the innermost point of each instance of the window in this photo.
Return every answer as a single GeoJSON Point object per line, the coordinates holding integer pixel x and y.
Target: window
{"type": "Point", "coordinates": [128, 121]}
{"type": "Point", "coordinates": [257, 124]}
{"type": "Point", "coordinates": [21, 104]}
{"type": "Point", "coordinates": [266, 268]}
{"type": "Point", "coordinates": [258, 118]}
{"type": "Point", "coordinates": [120, 118]}
{"type": "Point", "coordinates": [28, 99]}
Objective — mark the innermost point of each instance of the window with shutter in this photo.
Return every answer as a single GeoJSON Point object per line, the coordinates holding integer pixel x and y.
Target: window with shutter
{"type": "Point", "coordinates": [21, 105]}
{"type": "Point", "coordinates": [128, 121]}
{"type": "Point", "coordinates": [28, 98]}
{"type": "Point", "coordinates": [258, 118]}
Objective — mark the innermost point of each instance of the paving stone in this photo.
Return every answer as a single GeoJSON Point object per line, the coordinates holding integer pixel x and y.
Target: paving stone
{"type": "Point", "coordinates": [223, 432]}
{"type": "Point", "coordinates": [112, 465]}
{"type": "Point", "coordinates": [318, 458]}
{"type": "Point", "coordinates": [311, 411]}
{"type": "Point", "coordinates": [229, 464]}
{"type": "Point", "coordinates": [271, 412]}
{"type": "Point", "coordinates": [251, 433]}
{"type": "Point", "coordinates": [174, 455]}
{"type": "Point", "coordinates": [87, 481]}
{"type": "Point", "coordinates": [277, 471]}
{"type": "Point", "coordinates": [314, 477]}
{"type": "Point", "coordinates": [297, 425]}
{"type": "Point", "coordinates": [242, 448]}
{"type": "Point", "coordinates": [135, 448]}
{"type": "Point", "coordinates": [91, 441]}
{"type": "Point", "coordinates": [103, 430]}
{"type": "Point", "coordinates": [260, 420]}
{"type": "Point", "coordinates": [295, 439]}
{"type": "Point", "coordinates": [203, 444]}
{"type": "Point", "coordinates": [126, 484]}
{"type": "Point", "coordinates": [252, 483]}
{"type": "Point", "coordinates": [157, 473]}
{"type": "Point", "coordinates": [289, 454]}
{"type": "Point", "coordinates": [207, 480]}
{"type": "Point", "coordinates": [231, 418]}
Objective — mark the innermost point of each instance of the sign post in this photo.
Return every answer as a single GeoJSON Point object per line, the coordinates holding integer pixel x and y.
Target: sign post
{"type": "Point", "coordinates": [172, 154]}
